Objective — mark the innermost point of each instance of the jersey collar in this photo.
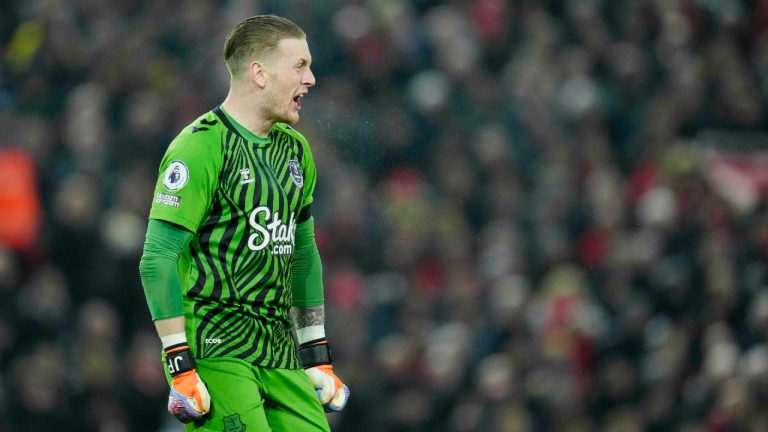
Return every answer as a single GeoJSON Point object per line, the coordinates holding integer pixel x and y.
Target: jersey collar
{"type": "Point", "coordinates": [239, 129]}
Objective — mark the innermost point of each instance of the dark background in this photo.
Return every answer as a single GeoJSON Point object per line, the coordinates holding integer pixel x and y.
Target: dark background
{"type": "Point", "coordinates": [533, 215]}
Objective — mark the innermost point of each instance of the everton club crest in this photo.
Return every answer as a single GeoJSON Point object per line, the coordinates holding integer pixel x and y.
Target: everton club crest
{"type": "Point", "coordinates": [233, 423]}
{"type": "Point", "coordinates": [296, 175]}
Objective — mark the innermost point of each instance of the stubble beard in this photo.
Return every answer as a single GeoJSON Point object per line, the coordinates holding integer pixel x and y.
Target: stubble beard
{"type": "Point", "coordinates": [285, 115]}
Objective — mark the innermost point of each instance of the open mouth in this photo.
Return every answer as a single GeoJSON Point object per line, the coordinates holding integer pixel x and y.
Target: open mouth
{"type": "Point", "coordinates": [297, 100]}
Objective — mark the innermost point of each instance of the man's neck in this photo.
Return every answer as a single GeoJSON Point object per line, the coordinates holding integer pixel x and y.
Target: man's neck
{"type": "Point", "coordinates": [246, 110]}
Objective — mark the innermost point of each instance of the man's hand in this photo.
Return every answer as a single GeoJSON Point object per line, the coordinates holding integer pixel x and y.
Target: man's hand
{"type": "Point", "coordinates": [316, 358]}
{"type": "Point", "coordinates": [189, 399]}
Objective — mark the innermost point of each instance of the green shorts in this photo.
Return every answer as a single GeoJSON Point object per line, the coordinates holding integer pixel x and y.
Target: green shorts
{"type": "Point", "coordinates": [254, 399]}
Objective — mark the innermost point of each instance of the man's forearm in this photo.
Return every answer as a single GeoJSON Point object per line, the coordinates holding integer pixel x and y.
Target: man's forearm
{"type": "Point", "coordinates": [307, 270]}
{"type": "Point", "coordinates": [309, 322]}
{"type": "Point", "coordinates": [171, 331]}
{"type": "Point", "coordinates": [306, 316]}
{"type": "Point", "coordinates": [170, 326]}
{"type": "Point", "coordinates": [158, 269]}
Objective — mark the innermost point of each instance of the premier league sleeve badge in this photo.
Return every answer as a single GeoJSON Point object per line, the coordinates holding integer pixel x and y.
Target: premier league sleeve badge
{"type": "Point", "coordinates": [176, 176]}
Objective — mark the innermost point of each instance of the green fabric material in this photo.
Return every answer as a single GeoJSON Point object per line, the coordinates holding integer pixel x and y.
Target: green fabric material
{"type": "Point", "coordinates": [242, 201]}
{"type": "Point", "coordinates": [163, 246]}
{"type": "Point", "coordinates": [307, 270]}
{"type": "Point", "coordinates": [187, 179]}
{"type": "Point", "coordinates": [251, 398]}
{"type": "Point", "coordinates": [307, 166]}
{"type": "Point", "coordinates": [245, 132]}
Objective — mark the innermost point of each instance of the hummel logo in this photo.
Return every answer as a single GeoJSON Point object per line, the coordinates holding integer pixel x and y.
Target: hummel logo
{"type": "Point", "coordinates": [195, 129]}
{"type": "Point", "coordinates": [246, 173]}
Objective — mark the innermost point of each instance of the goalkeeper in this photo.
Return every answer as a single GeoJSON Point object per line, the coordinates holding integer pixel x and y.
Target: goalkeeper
{"type": "Point", "coordinates": [230, 264]}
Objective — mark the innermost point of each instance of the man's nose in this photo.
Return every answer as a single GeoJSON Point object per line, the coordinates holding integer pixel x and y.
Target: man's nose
{"type": "Point", "coordinates": [309, 78]}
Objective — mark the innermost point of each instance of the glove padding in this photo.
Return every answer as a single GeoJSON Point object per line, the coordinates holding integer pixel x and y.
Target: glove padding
{"type": "Point", "coordinates": [332, 393]}
{"type": "Point", "coordinates": [188, 399]}
{"type": "Point", "coordinates": [316, 358]}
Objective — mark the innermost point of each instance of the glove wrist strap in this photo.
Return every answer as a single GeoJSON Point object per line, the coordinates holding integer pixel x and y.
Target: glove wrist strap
{"type": "Point", "coordinates": [315, 353]}
{"type": "Point", "coordinates": [179, 359]}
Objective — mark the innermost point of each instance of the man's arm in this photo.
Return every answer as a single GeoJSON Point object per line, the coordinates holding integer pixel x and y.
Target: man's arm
{"type": "Point", "coordinates": [159, 273]}
{"type": "Point", "coordinates": [308, 316]}
{"type": "Point", "coordinates": [308, 313]}
{"type": "Point", "coordinates": [309, 321]}
{"type": "Point", "coordinates": [188, 399]}
{"type": "Point", "coordinates": [169, 327]}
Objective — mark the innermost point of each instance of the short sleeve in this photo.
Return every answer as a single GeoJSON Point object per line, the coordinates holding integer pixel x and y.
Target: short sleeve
{"type": "Point", "coordinates": [310, 174]}
{"type": "Point", "coordinates": [187, 179]}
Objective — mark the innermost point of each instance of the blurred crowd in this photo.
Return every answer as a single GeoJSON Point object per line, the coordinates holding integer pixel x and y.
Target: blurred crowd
{"type": "Point", "coordinates": [520, 225]}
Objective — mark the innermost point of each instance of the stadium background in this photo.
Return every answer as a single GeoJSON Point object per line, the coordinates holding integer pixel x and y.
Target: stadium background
{"type": "Point", "coordinates": [533, 215]}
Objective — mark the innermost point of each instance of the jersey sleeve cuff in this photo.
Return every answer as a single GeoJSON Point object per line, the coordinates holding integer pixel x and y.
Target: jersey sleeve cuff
{"type": "Point", "coordinates": [182, 222]}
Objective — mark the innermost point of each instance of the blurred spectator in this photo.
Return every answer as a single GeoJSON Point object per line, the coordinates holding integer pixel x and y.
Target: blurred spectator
{"type": "Point", "coordinates": [524, 225]}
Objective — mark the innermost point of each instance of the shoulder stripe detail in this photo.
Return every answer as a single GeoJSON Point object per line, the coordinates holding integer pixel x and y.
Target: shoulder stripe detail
{"type": "Point", "coordinates": [227, 124]}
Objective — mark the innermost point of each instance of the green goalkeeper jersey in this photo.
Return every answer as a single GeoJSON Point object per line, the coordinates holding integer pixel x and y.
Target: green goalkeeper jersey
{"type": "Point", "coordinates": [242, 196]}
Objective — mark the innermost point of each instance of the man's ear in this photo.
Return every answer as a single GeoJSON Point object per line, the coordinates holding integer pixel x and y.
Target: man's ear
{"type": "Point", "coordinates": [258, 74]}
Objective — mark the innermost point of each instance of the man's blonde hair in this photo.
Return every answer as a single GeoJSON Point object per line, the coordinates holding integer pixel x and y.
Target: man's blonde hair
{"type": "Point", "coordinates": [255, 37]}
